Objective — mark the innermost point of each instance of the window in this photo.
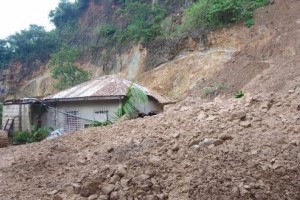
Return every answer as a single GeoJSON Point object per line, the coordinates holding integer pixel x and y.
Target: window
{"type": "Point", "coordinates": [101, 115]}
{"type": "Point", "coordinates": [71, 121]}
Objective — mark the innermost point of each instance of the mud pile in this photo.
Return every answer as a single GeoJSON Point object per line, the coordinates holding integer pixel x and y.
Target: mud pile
{"type": "Point", "coordinates": [245, 148]}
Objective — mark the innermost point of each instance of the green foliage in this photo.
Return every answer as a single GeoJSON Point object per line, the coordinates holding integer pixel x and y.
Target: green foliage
{"type": "Point", "coordinates": [98, 123]}
{"type": "Point", "coordinates": [107, 30]}
{"type": "Point", "coordinates": [239, 94]}
{"type": "Point", "coordinates": [143, 21]}
{"type": "Point", "coordinates": [67, 12]}
{"type": "Point", "coordinates": [135, 96]}
{"type": "Point", "coordinates": [5, 53]}
{"type": "Point", "coordinates": [63, 69]}
{"type": "Point", "coordinates": [31, 44]}
{"type": "Point", "coordinates": [215, 13]}
{"type": "Point", "coordinates": [35, 135]}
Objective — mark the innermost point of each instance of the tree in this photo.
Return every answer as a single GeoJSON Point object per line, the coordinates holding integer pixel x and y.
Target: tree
{"type": "Point", "coordinates": [33, 43]}
{"type": "Point", "coordinates": [63, 69]}
{"type": "Point", "coordinates": [5, 53]}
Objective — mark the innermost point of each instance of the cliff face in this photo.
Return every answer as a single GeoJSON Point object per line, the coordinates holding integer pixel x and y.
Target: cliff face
{"type": "Point", "coordinates": [257, 59]}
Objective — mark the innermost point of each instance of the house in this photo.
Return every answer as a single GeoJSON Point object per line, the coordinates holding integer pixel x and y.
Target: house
{"type": "Point", "coordinates": [77, 107]}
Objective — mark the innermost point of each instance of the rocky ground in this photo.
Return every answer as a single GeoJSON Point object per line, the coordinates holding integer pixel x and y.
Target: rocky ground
{"type": "Point", "coordinates": [246, 148]}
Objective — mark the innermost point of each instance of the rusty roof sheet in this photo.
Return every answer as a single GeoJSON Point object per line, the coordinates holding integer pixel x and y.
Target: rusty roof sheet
{"type": "Point", "coordinates": [105, 86]}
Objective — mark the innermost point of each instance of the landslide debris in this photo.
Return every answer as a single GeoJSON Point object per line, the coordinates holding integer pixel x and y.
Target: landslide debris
{"type": "Point", "coordinates": [245, 148]}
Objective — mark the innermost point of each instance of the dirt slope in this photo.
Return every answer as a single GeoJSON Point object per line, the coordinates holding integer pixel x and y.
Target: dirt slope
{"type": "Point", "coordinates": [269, 60]}
{"type": "Point", "coordinates": [227, 149]}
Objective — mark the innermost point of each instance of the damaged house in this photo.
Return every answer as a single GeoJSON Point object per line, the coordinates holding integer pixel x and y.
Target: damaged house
{"type": "Point", "coordinates": [78, 107]}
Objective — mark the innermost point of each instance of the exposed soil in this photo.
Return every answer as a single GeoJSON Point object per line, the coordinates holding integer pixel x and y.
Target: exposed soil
{"type": "Point", "coordinates": [269, 59]}
{"type": "Point", "coordinates": [245, 148]}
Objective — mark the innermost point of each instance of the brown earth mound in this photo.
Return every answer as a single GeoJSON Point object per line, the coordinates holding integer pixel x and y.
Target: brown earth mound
{"type": "Point", "coordinates": [269, 58]}
{"type": "Point", "coordinates": [245, 148]}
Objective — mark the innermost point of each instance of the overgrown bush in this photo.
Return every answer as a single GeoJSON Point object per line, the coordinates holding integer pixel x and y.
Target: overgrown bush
{"type": "Point", "coordinates": [35, 135]}
{"type": "Point", "coordinates": [143, 21]}
{"type": "Point", "coordinates": [215, 13]}
{"type": "Point", "coordinates": [98, 123]}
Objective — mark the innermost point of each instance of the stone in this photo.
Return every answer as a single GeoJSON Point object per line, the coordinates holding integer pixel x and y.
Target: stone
{"type": "Point", "coordinates": [140, 178]}
{"type": "Point", "coordinates": [225, 137]}
{"type": "Point", "coordinates": [81, 162]}
{"type": "Point", "coordinates": [110, 149]}
{"type": "Point", "coordinates": [175, 147]}
{"type": "Point", "coordinates": [245, 124]}
{"type": "Point", "coordinates": [57, 197]}
{"type": "Point", "coordinates": [114, 179]}
{"type": "Point", "coordinates": [211, 141]}
{"type": "Point", "coordinates": [53, 192]}
{"type": "Point", "coordinates": [114, 195]}
{"type": "Point", "coordinates": [103, 197]}
{"type": "Point", "coordinates": [121, 171]}
{"type": "Point", "coordinates": [107, 188]}
{"type": "Point", "coordinates": [89, 189]}
{"type": "Point", "coordinates": [93, 197]}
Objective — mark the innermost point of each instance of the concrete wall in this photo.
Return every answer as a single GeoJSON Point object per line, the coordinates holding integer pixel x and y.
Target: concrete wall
{"type": "Point", "coordinates": [21, 115]}
{"type": "Point", "coordinates": [91, 111]}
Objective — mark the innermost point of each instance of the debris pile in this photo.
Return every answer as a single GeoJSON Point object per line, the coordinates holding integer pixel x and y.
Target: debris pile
{"type": "Point", "coordinates": [246, 148]}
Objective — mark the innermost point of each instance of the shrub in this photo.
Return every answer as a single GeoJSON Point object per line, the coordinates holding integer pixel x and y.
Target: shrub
{"type": "Point", "coordinates": [98, 123]}
{"type": "Point", "coordinates": [239, 94]}
{"type": "Point", "coordinates": [143, 21]}
{"type": "Point", "coordinates": [35, 135]}
{"type": "Point", "coordinates": [215, 13]}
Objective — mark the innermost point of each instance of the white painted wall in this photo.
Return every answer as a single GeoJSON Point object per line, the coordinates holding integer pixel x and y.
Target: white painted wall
{"type": "Point", "coordinates": [90, 110]}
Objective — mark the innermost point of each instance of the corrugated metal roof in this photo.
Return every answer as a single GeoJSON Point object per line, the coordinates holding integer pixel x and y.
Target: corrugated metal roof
{"type": "Point", "coordinates": [105, 86]}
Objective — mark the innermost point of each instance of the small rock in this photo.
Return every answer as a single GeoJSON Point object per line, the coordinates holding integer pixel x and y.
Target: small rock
{"type": "Point", "coordinates": [89, 189]}
{"type": "Point", "coordinates": [114, 196]}
{"type": "Point", "coordinates": [114, 179]}
{"type": "Point", "coordinates": [121, 171]}
{"type": "Point", "coordinates": [175, 147]}
{"type": "Point", "coordinates": [81, 161]}
{"type": "Point", "coordinates": [210, 141]}
{"type": "Point", "coordinates": [53, 192]}
{"type": "Point", "coordinates": [110, 149]}
{"type": "Point", "coordinates": [176, 135]}
{"type": "Point", "coordinates": [103, 197]}
{"type": "Point", "coordinates": [155, 160]}
{"type": "Point", "coordinates": [107, 188]}
{"type": "Point", "coordinates": [225, 137]}
{"type": "Point", "coordinates": [57, 197]}
{"type": "Point", "coordinates": [140, 178]}
{"type": "Point", "coordinates": [124, 182]}
{"type": "Point", "coordinates": [245, 124]}
{"type": "Point", "coordinates": [93, 197]}
{"type": "Point", "coordinates": [201, 116]}
{"type": "Point", "coordinates": [291, 91]}
{"type": "Point", "coordinates": [194, 142]}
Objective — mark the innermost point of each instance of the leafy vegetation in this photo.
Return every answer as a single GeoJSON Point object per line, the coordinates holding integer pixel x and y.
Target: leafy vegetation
{"type": "Point", "coordinates": [63, 69]}
{"type": "Point", "coordinates": [143, 21]}
{"type": "Point", "coordinates": [35, 135]}
{"type": "Point", "coordinates": [239, 94]}
{"type": "Point", "coordinates": [215, 13]}
{"type": "Point", "coordinates": [99, 123]}
{"type": "Point", "coordinates": [134, 97]}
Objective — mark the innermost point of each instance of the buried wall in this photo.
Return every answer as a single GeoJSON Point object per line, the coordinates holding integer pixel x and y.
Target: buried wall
{"type": "Point", "coordinates": [20, 113]}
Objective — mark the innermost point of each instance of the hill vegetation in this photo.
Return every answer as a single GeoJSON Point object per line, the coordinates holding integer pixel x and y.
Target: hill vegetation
{"type": "Point", "coordinates": [125, 22]}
